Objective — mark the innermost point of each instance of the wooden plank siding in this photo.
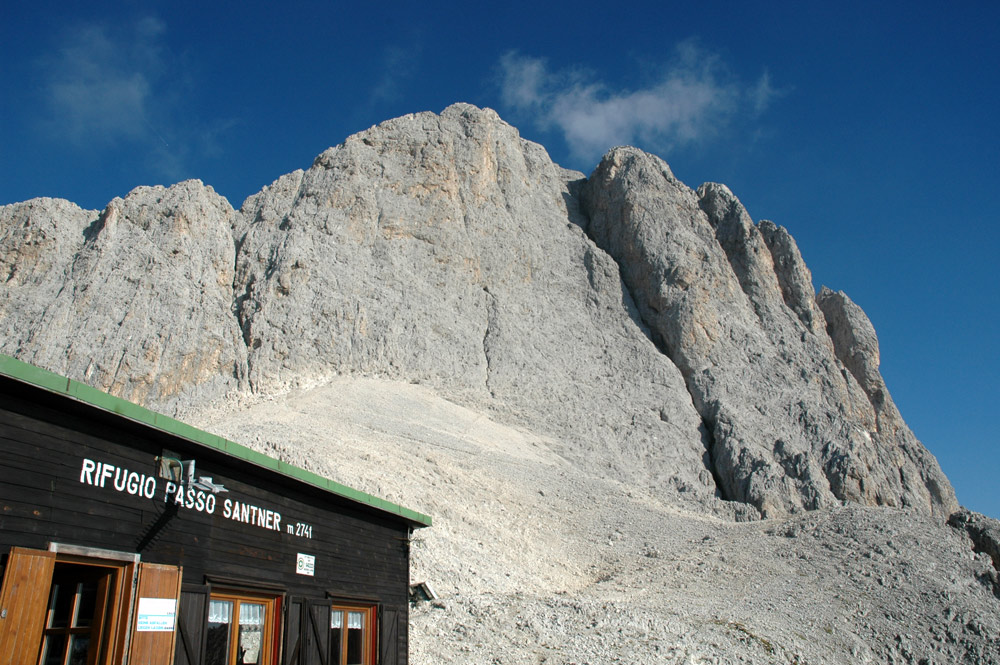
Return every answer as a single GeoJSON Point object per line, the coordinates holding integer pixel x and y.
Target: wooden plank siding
{"type": "Point", "coordinates": [360, 553]}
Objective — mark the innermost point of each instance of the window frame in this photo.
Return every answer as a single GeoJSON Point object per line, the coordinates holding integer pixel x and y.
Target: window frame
{"type": "Point", "coordinates": [270, 644]}
{"type": "Point", "coordinates": [122, 593]}
{"type": "Point", "coordinates": [26, 592]}
{"type": "Point", "coordinates": [369, 637]}
{"type": "Point", "coordinates": [103, 621]}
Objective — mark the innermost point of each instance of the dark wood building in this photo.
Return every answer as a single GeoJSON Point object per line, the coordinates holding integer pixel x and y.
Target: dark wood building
{"type": "Point", "coordinates": [129, 537]}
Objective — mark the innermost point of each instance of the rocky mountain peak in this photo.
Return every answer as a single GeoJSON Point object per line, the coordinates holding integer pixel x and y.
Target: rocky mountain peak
{"type": "Point", "coordinates": [649, 330]}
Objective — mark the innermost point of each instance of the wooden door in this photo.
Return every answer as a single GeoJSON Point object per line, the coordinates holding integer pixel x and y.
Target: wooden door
{"type": "Point", "coordinates": [23, 603]}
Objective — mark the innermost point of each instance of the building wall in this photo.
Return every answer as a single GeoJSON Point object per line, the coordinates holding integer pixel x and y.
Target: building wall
{"type": "Point", "coordinates": [73, 474]}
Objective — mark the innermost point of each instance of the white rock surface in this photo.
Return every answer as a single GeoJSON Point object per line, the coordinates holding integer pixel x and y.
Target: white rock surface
{"type": "Point", "coordinates": [537, 560]}
{"type": "Point", "coordinates": [790, 429]}
{"type": "Point", "coordinates": [446, 250]}
{"type": "Point", "coordinates": [591, 384]}
{"type": "Point", "coordinates": [135, 300]}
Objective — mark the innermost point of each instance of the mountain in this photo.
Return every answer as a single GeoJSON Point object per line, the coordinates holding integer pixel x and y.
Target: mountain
{"type": "Point", "coordinates": [619, 341]}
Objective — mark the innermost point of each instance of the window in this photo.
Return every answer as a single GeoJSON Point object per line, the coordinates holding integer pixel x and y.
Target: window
{"type": "Point", "coordinates": [240, 629]}
{"type": "Point", "coordinates": [80, 606]}
{"type": "Point", "coordinates": [352, 635]}
{"type": "Point", "coordinates": [71, 605]}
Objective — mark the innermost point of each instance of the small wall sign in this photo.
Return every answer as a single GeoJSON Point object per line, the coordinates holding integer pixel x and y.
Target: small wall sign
{"type": "Point", "coordinates": [156, 615]}
{"type": "Point", "coordinates": [305, 564]}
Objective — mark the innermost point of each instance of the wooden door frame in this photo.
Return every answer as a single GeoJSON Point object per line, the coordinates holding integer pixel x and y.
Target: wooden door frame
{"type": "Point", "coordinates": [128, 564]}
{"type": "Point", "coordinates": [122, 563]}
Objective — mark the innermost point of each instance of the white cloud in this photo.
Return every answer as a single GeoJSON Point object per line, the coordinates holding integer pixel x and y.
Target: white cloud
{"type": "Point", "coordinates": [524, 80]}
{"type": "Point", "coordinates": [118, 89]}
{"type": "Point", "coordinates": [692, 100]}
{"type": "Point", "coordinates": [762, 93]}
{"type": "Point", "coordinates": [100, 84]}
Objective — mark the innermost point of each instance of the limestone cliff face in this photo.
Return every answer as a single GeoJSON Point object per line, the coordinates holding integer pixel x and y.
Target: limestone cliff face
{"type": "Point", "coordinates": [446, 250]}
{"type": "Point", "coordinates": [134, 300]}
{"type": "Point", "coordinates": [728, 301]}
{"type": "Point", "coordinates": [651, 331]}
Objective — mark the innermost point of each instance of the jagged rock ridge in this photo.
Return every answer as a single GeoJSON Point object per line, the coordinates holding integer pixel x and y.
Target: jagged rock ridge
{"type": "Point", "coordinates": [763, 359]}
{"type": "Point", "coordinates": [648, 329]}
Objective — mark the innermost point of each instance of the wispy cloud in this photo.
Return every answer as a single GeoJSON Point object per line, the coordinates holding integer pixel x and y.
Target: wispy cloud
{"type": "Point", "coordinates": [120, 87]}
{"type": "Point", "coordinates": [397, 67]}
{"type": "Point", "coordinates": [99, 85]}
{"type": "Point", "coordinates": [694, 98]}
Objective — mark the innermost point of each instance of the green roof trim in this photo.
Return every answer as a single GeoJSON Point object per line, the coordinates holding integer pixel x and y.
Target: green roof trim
{"type": "Point", "coordinates": [53, 382]}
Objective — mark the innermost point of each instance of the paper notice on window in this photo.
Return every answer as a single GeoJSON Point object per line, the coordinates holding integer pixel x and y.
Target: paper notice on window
{"type": "Point", "coordinates": [156, 615]}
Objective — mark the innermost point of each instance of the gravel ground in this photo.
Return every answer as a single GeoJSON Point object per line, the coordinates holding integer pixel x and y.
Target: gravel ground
{"type": "Point", "coordinates": [536, 560]}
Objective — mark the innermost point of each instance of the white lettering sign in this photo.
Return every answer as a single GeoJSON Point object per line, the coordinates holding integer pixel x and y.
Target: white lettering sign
{"type": "Point", "coordinates": [189, 497]}
{"type": "Point", "coordinates": [99, 473]}
{"type": "Point", "coordinates": [251, 514]}
{"type": "Point", "coordinates": [184, 495]}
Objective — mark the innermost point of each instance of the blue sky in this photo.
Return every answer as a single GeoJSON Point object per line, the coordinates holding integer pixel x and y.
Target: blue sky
{"type": "Point", "coordinates": [870, 133]}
